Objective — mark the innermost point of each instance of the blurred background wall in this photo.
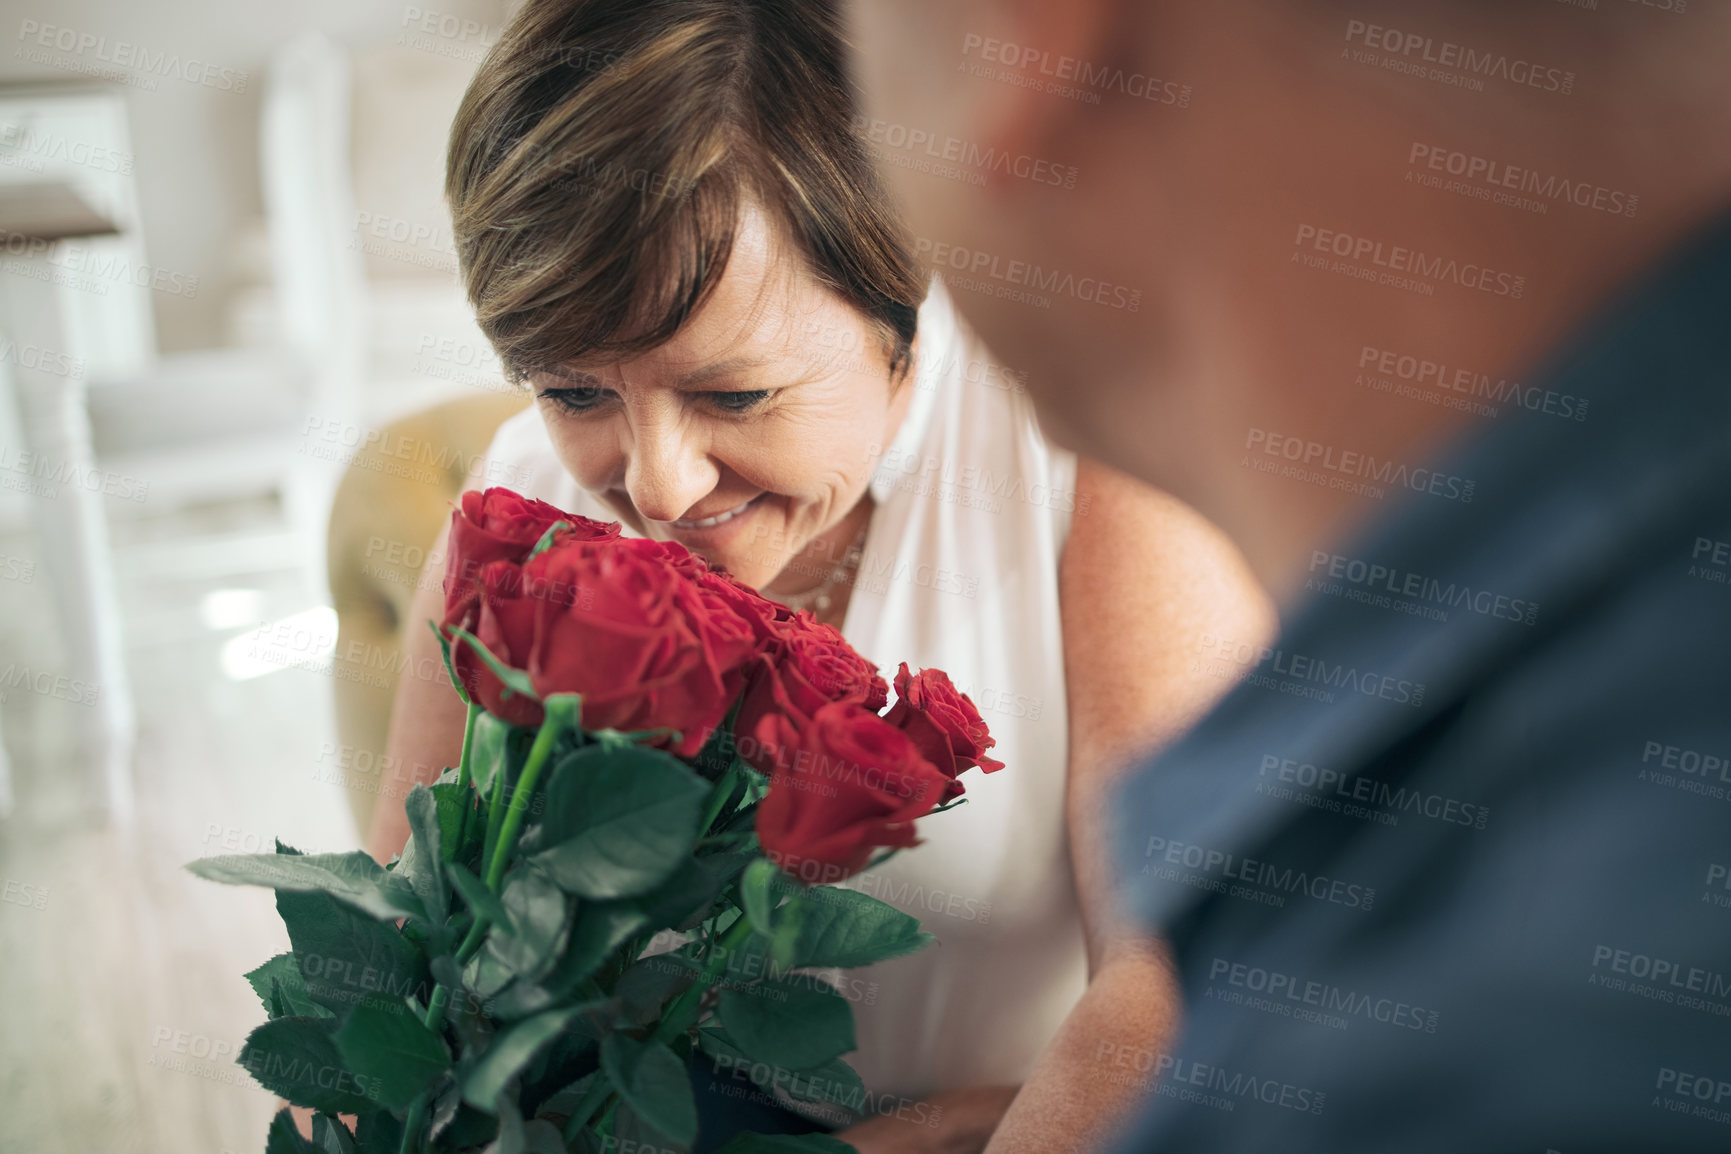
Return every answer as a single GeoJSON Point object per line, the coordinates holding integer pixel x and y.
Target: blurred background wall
{"type": "Point", "coordinates": [197, 145]}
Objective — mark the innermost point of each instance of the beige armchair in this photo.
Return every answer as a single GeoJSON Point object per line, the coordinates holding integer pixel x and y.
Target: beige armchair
{"type": "Point", "coordinates": [382, 522]}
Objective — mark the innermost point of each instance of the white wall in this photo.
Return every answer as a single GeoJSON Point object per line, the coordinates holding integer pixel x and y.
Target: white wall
{"type": "Point", "coordinates": [196, 142]}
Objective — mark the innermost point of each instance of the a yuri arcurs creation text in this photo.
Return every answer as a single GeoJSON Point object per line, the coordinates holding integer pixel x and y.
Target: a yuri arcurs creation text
{"type": "Point", "coordinates": [660, 772]}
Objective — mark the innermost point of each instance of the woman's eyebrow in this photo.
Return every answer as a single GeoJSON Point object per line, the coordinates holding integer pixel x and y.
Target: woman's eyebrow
{"type": "Point", "coordinates": [720, 369]}
{"type": "Point", "coordinates": [691, 380]}
{"type": "Point", "coordinates": [574, 378]}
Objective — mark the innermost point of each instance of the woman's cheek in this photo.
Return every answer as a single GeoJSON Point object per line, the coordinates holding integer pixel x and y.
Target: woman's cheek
{"type": "Point", "coordinates": [588, 453]}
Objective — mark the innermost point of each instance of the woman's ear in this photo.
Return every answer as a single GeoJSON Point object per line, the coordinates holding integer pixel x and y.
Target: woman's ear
{"type": "Point", "coordinates": [901, 398]}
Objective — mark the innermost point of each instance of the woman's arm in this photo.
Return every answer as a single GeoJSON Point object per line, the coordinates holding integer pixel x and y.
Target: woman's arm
{"type": "Point", "coordinates": [427, 718]}
{"type": "Point", "coordinates": [1142, 579]}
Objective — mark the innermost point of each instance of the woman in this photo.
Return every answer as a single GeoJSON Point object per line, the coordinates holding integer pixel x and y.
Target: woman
{"type": "Point", "coordinates": [672, 236]}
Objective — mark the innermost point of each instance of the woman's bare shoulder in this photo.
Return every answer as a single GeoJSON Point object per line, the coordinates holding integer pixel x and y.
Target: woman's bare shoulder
{"type": "Point", "coordinates": [1145, 581]}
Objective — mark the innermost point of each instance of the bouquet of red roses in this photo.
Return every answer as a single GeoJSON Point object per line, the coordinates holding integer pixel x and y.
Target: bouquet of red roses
{"type": "Point", "coordinates": [660, 771]}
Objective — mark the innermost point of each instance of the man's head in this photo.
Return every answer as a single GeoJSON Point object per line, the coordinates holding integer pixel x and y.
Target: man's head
{"type": "Point", "coordinates": [1258, 196]}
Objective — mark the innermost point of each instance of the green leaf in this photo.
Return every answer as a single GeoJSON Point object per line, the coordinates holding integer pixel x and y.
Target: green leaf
{"type": "Point", "coordinates": [454, 801]}
{"type": "Point", "coordinates": [344, 955]}
{"type": "Point", "coordinates": [291, 996]}
{"type": "Point", "coordinates": [757, 895]}
{"type": "Point", "coordinates": [486, 975]}
{"type": "Point", "coordinates": [331, 1137]}
{"type": "Point", "coordinates": [445, 652]}
{"type": "Point", "coordinates": [281, 978]}
{"type": "Point", "coordinates": [285, 1138]}
{"type": "Point", "coordinates": [510, 1052]}
{"type": "Point", "coordinates": [799, 1022]}
{"type": "Point", "coordinates": [564, 1101]}
{"type": "Point", "coordinates": [786, 1144]}
{"type": "Point", "coordinates": [527, 942]}
{"type": "Point", "coordinates": [685, 898]}
{"type": "Point", "coordinates": [652, 1080]}
{"type": "Point", "coordinates": [424, 855]}
{"type": "Point", "coordinates": [483, 901]}
{"type": "Point", "coordinates": [537, 1136]}
{"type": "Point", "coordinates": [393, 1049]}
{"type": "Point", "coordinates": [546, 541]}
{"type": "Point", "coordinates": [353, 877]}
{"type": "Point", "coordinates": [649, 984]}
{"type": "Point", "coordinates": [846, 928]}
{"type": "Point", "coordinates": [756, 788]}
{"type": "Point", "coordinates": [619, 822]}
{"type": "Point", "coordinates": [514, 680]}
{"type": "Point", "coordinates": [542, 1137]}
{"type": "Point", "coordinates": [297, 1059]}
{"type": "Point", "coordinates": [835, 1083]}
{"type": "Point", "coordinates": [719, 753]}
{"type": "Point", "coordinates": [378, 1133]}
{"type": "Point", "coordinates": [600, 928]}
{"type": "Point", "coordinates": [511, 1139]}
{"type": "Point", "coordinates": [631, 1131]}
{"type": "Point", "coordinates": [489, 751]}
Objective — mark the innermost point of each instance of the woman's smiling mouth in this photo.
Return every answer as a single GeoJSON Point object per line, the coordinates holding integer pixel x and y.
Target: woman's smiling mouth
{"type": "Point", "coordinates": [718, 519]}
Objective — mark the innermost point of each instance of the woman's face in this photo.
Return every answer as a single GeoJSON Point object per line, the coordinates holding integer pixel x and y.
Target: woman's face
{"type": "Point", "coordinates": [751, 433]}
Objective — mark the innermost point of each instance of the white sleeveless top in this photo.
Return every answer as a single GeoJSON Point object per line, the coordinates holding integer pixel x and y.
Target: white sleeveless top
{"type": "Point", "coordinates": [959, 571]}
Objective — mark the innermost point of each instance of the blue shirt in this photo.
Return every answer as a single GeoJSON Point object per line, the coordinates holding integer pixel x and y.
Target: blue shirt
{"type": "Point", "coordinates": [1450, 869]}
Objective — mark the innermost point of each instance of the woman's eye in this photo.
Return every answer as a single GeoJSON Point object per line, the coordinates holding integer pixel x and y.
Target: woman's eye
{"type": "Point", "coordinates": [738, 402]}
{"type": "Point", "coordinates": [577, 400]}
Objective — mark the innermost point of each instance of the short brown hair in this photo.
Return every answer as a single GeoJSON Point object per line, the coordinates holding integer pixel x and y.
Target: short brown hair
{"type": "Point", "coordinates": [605, 150]}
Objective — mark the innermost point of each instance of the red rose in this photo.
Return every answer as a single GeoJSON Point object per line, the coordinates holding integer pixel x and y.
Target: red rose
{"type": "Point", "coordinates": [503, 619]}
{"type": "Point", "coordinates": [643, 643]}
{"type": "Point", "coordinates": [841, 785]}
{"type": "Point", "coordinates": [499, 525]}
{"type": "Point", "coordinates": [942, 722]}
{"type": "Point", "coordinates": [809, 666]}
{"type": "Point", "coordinates": [767, 617]}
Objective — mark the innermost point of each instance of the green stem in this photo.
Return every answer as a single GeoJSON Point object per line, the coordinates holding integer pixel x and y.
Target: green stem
{"type": "Point", "coordinates": [683, 1011]}
{"type": "Point", "coordinates": [412, 1124]}
{"type": "Point", "coordinates": [593, 1099]}
{"type": "Point", "coordinates": [464, 774]}
{"type": "Point", "coordinates": [676, 1021]}
{"type": "Point", "coordinates": [525, 789]}
{"type": "Point", "coordinates": [718, 797]}
{"type": "Point", "coordinates": [435, 1018]}
{"type": "Point", "coordinates": [495, 818]}
{"type": "Point", "coordinates": [502, 832]}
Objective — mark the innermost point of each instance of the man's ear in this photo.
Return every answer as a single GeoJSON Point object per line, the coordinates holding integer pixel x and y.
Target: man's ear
{"type": "Point", "coordinates": [1059, 35]}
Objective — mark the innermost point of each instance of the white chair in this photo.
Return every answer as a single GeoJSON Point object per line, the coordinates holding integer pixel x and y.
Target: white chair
{"type": "Point", "coordinates": [75, 302]}
{"type": "Point", "coordinates": [220, 423]}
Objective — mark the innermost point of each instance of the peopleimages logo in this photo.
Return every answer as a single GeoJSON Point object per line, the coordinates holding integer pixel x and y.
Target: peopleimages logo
{"type": "Point", "coordinates": [1422, 372]}
{"type": "Point", "coordinates": [1302, 671]}
{"type": "Point", "coordinates": [1495, 177]}
{"type": "Point", "coordinates": [1357, 467]}
{"type": "Point", "coordinates": [1298, 991]}
{"type": "Point", "coordinates": [124, 54]}
{"type": "Point", "coordinates": [1328, 786]}
{"type": "Point", "coordinates": [1448, 54]}
{"type": "Point", "coordinates": [975, 263]}
{"type": "Point", "coordinates": [1326, 568]}
{"type": "Point", "coordinates": [1068, 68]}
{"type": "Point", "coordinates": [1285, 880]}
{"type": "Point", "coordinates": [964, 152]}
{"type": "Point", "coordinates": [1399, 261]}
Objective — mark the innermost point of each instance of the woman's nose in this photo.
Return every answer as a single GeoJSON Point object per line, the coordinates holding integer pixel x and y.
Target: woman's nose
{"type": "Point", "coordinates": [667, 473]}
